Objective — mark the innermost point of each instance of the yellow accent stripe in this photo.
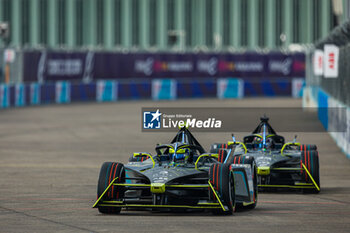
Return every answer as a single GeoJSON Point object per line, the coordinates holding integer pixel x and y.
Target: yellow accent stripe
{"type": "Point", "coordinates": [164, 206]}
{"type": "Point", "coordinates": [113, 202]}
{"type": "Point", "coordinates": [303, 184]}
{"type": "Point", "coordinates": [313, 181]}
{"type": "Point", "coordinates": [217, 197]}
{"type": "Point", "coordinates": [248, 203]}
{"type": "Point", "coordinates": [170, 186]}
{"type": "Point", "coordinates": [283, 186]}
{"type": "Point", "coordinates": [204, 155]}
{"type": "Point", "coordinates": [288, 143]}
{"type": "Point", "coordinates": [208, 203]}
{"type": "Point", "coordinates": [244, 147]}
{"type": "Point", "coordinates": [149, 155]}
{"type": "Point", "coordinates": [110, 184]}
{"type": "Point", "coordinates": [238, 143]}
{"type": "Point", "coordinates": [286, 168]}
{"type": "Point", "coordinates": [154, 163]}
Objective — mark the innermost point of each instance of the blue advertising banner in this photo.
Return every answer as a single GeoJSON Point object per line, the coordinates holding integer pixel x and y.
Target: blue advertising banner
{"type": "Point", "coordinates": [62, 92]}
{"type": "Point", "coordinates": [4, 96]}
{"type": "Point", "coordinates": [106, 91]}
{"type": "Point", "coordinates": [20, 95]}
{"type": "Point", "coordinates": [40, 66]}
{"type": "Point", "coordinates": [196, 88]}
{"type": "Point", "coordinates": [230, 88]}
{"type": "Point", "coordinates": [34, 90]}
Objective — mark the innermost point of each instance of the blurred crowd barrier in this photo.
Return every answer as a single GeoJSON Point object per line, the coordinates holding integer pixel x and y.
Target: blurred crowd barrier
{"type": "Point", "coordinates": [328, 83]}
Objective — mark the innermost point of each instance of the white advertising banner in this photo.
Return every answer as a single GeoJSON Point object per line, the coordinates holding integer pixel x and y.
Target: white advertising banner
{"type": "Point", "coordinates": [331, 61]}
{"type": "Point", "coordinates": [318, 62]}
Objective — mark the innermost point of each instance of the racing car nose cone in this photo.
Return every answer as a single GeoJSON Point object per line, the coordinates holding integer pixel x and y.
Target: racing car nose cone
{"type": "Point", "coordinates": [263, 171]}
{"type": "Point", "coordinates": [157, 187]}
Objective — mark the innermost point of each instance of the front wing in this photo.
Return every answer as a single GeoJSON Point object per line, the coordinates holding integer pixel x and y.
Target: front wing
{"type": "Point", "coordinates": [243, 188]}
{"type": "Point", "coordinates": [297, 185]}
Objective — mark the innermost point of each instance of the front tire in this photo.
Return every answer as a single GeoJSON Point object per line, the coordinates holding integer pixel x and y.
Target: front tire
{"type": "Point", "coordinates": [310, 159]}
{"type": "Point", "coordinates": [222, 179]}
{"type": "Point", "coordinates": [109, 171]}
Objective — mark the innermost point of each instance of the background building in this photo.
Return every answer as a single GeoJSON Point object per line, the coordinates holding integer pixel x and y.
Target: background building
{"type": "Point", "coordinates": [169, 24]}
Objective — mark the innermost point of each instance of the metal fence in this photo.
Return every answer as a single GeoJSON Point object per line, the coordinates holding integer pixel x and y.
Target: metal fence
{"type": "Point", "coordinates": [337, 87]}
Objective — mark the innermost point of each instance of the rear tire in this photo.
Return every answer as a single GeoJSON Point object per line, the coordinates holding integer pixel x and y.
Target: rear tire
{"type": "Point", "coordinates": [307, 147]}
{"type": "Point", "coordinates": [245, 159]}
{"type": "Point", "coordinates": [109, 171]}
{"type": "Point", "coordinates": [310, 159]}
{"type": "Point", "coordinates": [215, 147]}
{"type": "Point", "coordinates": [222, 179]}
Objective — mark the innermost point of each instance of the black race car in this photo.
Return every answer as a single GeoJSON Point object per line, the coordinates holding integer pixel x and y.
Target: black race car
{"type": "Point", "coordinates": [181, 175]}
{"type": "Point", "coordinates": [280, 165]}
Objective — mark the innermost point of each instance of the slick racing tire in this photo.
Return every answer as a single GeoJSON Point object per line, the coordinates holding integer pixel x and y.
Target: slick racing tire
{"type": "Point", "coordinates": [311, 161]}
{"type": "Point", "coordinates": [109, 171]}
{"type": "Point", "coordinates": [215, 147]}
{"type": "Point", "coordinates": [307, 147]}
{"type": "Point", "coordinates": [245, 159]}
{"type": "Point", "coordinates": [222, 179]}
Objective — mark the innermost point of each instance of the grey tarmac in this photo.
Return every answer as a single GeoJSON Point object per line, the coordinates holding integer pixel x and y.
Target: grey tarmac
{"type": "Point", "coordinates": [50, 158]}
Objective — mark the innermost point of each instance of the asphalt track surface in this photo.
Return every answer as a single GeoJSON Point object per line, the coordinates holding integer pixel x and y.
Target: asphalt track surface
{"type": "Point", "coordinates": [50, 158]}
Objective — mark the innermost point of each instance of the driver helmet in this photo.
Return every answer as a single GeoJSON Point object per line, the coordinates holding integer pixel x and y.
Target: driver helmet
{"type": "Point", "coordinates": [257, 141]}
{"type": "Point", "coordinates": [181, 154]}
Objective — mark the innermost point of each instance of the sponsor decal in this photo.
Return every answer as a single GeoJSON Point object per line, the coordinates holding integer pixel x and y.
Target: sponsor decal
{"type": "Point", "coordinates": [214, 66]}
{"type": "Point", "coordinates": [318, 62]}
{"type": "Point", "coordinates": [281, 66]}
{"type": "Point", "coordinates": [249, 66]}
{"type": "Point", "coordinates": [88, 66]}
{"type": "Point", "coordinates": [150, 66]}
{"type": "Point", "coordinates": [64, 67]}
{"type": "Point", "coordinates": [225, 66]}
{"type": "Point", "coordinates": [144, 66]}
{"type": "Point", "coordinates": [208, 66]}
{"type": "Point", "coordinates": [331, 55]}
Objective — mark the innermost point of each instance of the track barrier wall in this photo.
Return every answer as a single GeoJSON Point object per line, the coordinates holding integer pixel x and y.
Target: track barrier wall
{"type": "Point", "coordinates": [64, 76]}
{"type": "Point", "coordinates": [87, 66]}
{"type": "Point", "coordinates": [64, 92]}
{"type": "Point", "coordinates": [328, 83]}
{"type": "Point", "coordinates": [314, 96]}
